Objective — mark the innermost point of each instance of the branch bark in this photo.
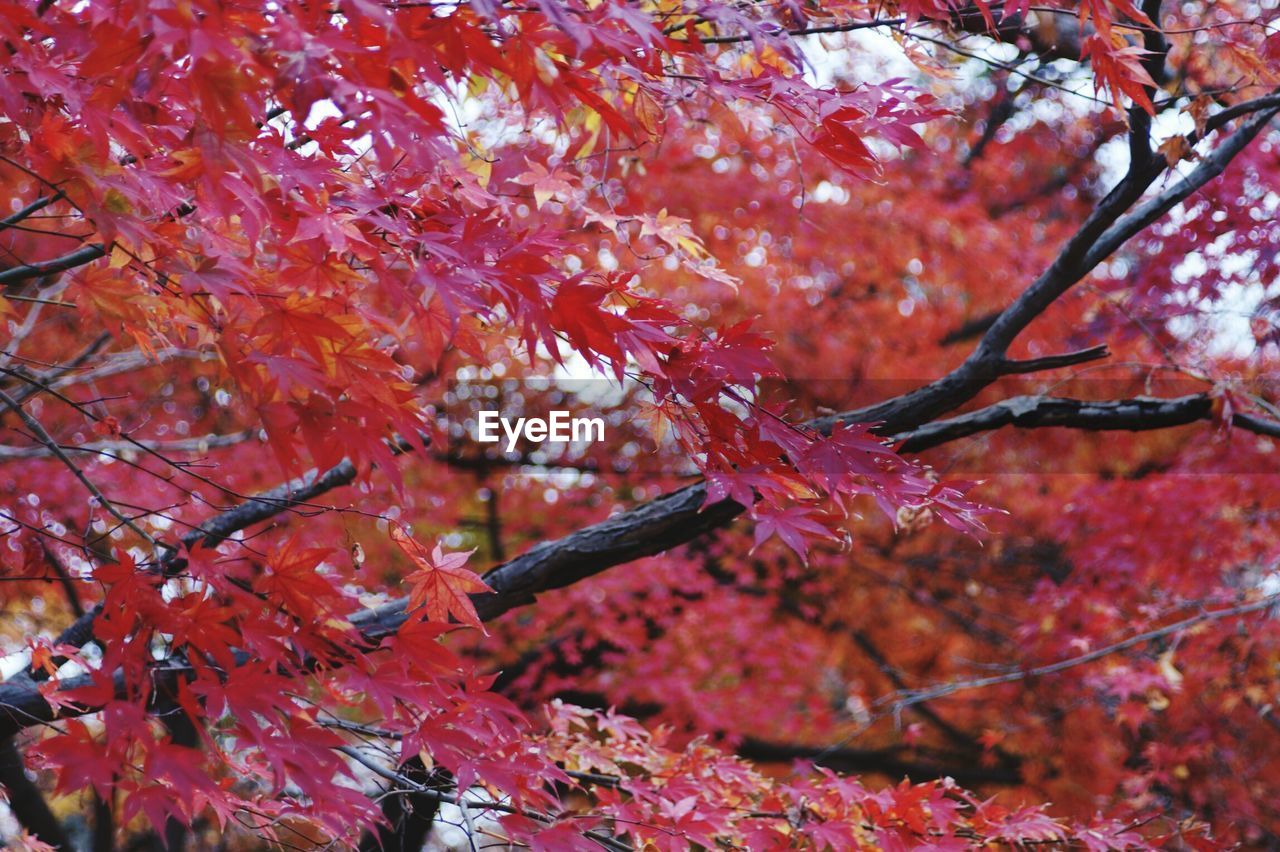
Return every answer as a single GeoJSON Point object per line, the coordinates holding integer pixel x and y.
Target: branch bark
{"type": "Point", "coordinates": [25, 799]}
{"type": "Point", "coordinates": [657, 526]}
{"type": "Point", "coordinates": [79, 257]}
{"type": "Point", "coordinates": [680, 516]}
{"type": "Point", "coordinates": [1140, 414]}
{"type": "Point", "coordinates": [663, 523]}
{"type": "Point", "coordinates": [884, 761]}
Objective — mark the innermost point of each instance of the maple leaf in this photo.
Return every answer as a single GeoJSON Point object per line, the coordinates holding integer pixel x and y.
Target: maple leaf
{"type": "Point", "coordinates": [1175, 149]}
{"type": "Point", "coordinates": [295, 582]}
{"type": "Point", "coordinates": [441, 587]}
{"type": "Point", "coordinates": [1028, 824]}
{"type": "Point", "coordinates": [300, 225]}
{"type": "Point", "coordinates": [795, 526]}
{"type": "Point", "coordinates": [546, 184]}
{"type": "Point", "coordinates": [674, 231]}
{"type": "Point", "coordinates": [1119, 69]}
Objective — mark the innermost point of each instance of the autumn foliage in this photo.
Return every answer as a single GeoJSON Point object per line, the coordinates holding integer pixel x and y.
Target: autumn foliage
{"type": "Point", "coordinates": [937, 348]}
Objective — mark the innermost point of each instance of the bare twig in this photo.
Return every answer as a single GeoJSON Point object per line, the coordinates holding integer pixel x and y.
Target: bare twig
{"type": "Point", "coordinates": [45, 438]}
{"type": "Point", "coordinates": [903, 699]}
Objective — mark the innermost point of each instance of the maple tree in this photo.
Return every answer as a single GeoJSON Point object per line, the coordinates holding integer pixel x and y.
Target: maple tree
{"type": "Point", "coordinates": [262, 263]}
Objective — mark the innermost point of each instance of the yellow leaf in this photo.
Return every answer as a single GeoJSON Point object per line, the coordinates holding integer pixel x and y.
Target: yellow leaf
{"type": "Point", "coordinates": [592, 125]}
{"type": "Point", "coordinates": [481, 168]}
{"type": "Point", "coordinates": [1169, 671]}
{"type": "Point", "coordinates": [115, 201]}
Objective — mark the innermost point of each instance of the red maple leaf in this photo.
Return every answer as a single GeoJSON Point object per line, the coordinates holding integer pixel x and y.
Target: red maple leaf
{"type": "Point", "coordinates": [441, 587]}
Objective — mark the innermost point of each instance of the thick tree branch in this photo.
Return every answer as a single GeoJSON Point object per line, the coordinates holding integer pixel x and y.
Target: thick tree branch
{"type": "Point", "coordinates": [1259, 104]}
{"type": "Point", "coordinates": [1157, 48]}
{"type": "Point", "coordinates": [1035, 412]}
{"type": "Point", "coordinates": [30, 210]}
{"type": "Point", "coordinates": [680, 516]}
{"type": "Point", "coordinates": [26, 802]}
{"type": "Point", "coordinates": [885, 761]}
{"type": "Point", "coordinates": [1054, 362]}
{"type": "Point", "coordinates": [969, 329]}
{"type": "Point", "coordinates": [79, 257]}
{"type": "Point", "coordinates": [1109, 226]}
{"type": "Point", "coordinates": [657, 526]}
{"type": "Point", "coordinates": [1154, 208]}
{"type": "Point", "coordinates": [1140, 414]}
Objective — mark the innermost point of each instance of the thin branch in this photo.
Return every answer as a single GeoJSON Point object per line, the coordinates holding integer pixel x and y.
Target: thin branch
{"type": "Point", "coordinates": [36, 300]}
{"type": "Point", "coordinates": [31, 387]}
{"type": "Point", "coordinates": [901, 700]}
{"type": "Point", "coordinates": [113, 449]}
{"type": "Point", "coordinates": [64, 578]}
{"type": "Point", "coordinates": [847, 27]}
{"type": "Point", "coordinates": [292, 494]}
{"type": "Point", "coordinates": [419, 789]}
{"type": "Point", "coordinates": [950, 731]}
{"type": "Point", "coordinates": [45, 438]}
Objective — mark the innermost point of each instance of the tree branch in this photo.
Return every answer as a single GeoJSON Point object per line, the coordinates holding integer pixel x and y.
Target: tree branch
{"type": "Point", "coordinates": [884, 761]}
{"type": "Point", "coordinates": [680, 516]}
{"type": "Point", "coordinates": [1035, 412]}
{"type": "Point", "coordinates": [112, 449]}
{"type": "Point", "coordinates": [901, 700]}
{"type": "Point", "coordinates": [1154, 208]}
{"type": "Point", "coordinates": [25, 799]}
{"type": "Point", "coordinates": [30, 210]}
{"type": "Point", "coordinates": [1140, 414]}
{"type": "Point", "coordinates": [79, 257]}
{"type": "Point", "coordinates": [1054, 362]}
{"type": "Point", "coordinates": [45, 438]}
{"type": "Point", "coordinates": [659, 525]}
{"type": "Point", "coordinates": [957, 736]}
